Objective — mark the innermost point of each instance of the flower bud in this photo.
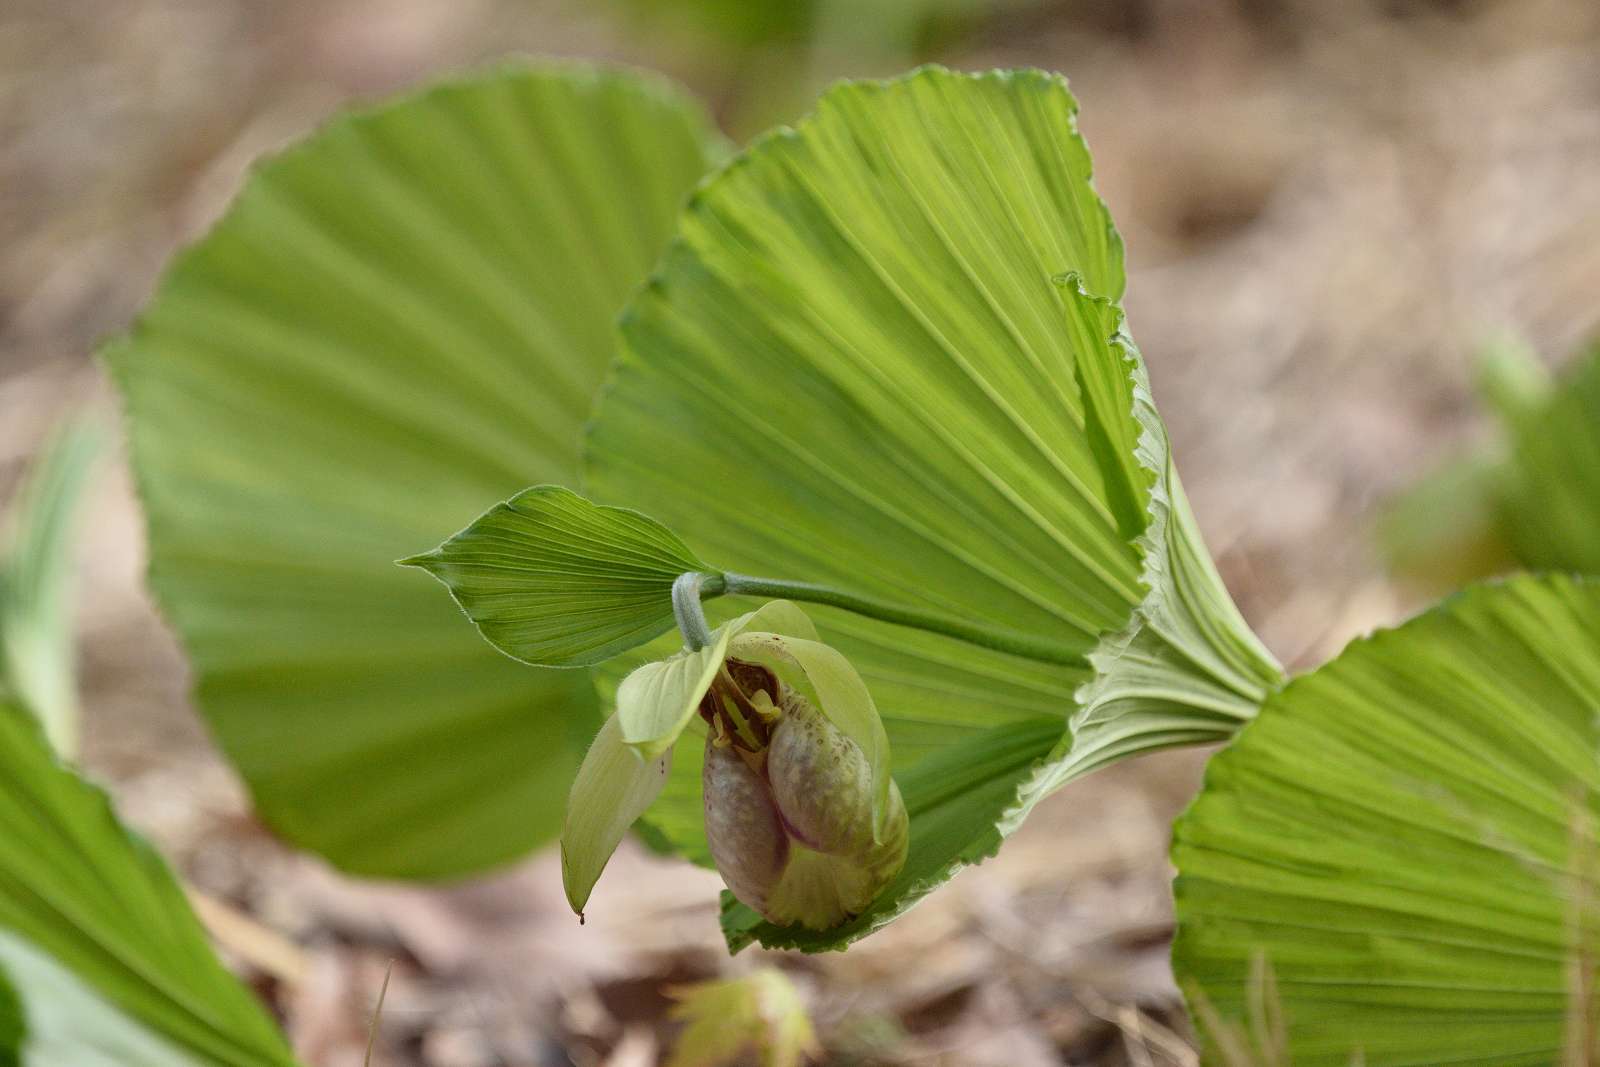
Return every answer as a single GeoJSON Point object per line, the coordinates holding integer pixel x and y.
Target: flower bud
{"type": "Point", "coordinates": [793, 839]}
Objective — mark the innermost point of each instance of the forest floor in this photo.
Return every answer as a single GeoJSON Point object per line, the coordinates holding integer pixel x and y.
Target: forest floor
{"type": "Point", "coordinates": [1328, 209]}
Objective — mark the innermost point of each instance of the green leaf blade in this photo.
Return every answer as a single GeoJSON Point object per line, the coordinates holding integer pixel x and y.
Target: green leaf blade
{"type": "Point", "coordinates": [400, 319]}
{"type": "Point", "coordinates": [1404, 835]}
{"type": "Point", "coordinates": [554, 580]}
{"type": "Point", "coordinates": [105, 955]}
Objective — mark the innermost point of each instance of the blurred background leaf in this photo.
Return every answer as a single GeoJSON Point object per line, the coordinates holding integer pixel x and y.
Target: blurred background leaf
{"type": "Point", "coordinates": [108, 964]}
{"type": "Point", "coordinates": [36, 581]}
{"type": "Point", "coordinates": [773, 56]}
{"type": "Point", "coordinates": [1529, 499]}
{"type": "Point", "coordinates": [12, 1027]}
{"type": "Point", "coordinates": [1551, 506]}
{"type": "Point", "coordinates": [761, 1010]}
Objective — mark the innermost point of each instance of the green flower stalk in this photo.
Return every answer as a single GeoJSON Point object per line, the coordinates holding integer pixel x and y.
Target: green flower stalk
{"type": "Point", "coordinates": [803, 821]}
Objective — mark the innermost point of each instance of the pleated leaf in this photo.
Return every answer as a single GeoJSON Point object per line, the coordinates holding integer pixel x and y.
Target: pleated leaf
{"type": "Point", "coordinates": [614, 786]}
{"type": "Point", "coordinates": [106, 962]}
{"type": "Point", "coordinates": [399, 320]}
{"type": "Point", "coordinates": [554, 580]}
{"type": "Point", "coordinates": [1405, 840]}
{"type": "Point", "coordinates": [884, 355]}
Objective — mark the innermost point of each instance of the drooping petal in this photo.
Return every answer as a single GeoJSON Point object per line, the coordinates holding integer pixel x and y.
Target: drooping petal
{"type": "Point", "coordinates": [613, 788]}
{"type": "Point", "coordinates": [656, 702]}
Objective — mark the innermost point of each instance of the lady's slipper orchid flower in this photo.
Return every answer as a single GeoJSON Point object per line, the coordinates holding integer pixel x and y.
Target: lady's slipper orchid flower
{"type": "Point", "coordinates": [803, 820]}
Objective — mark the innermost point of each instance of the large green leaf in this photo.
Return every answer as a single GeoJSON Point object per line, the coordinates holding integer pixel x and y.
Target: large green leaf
{"type": "Point", "coordinates": [106, 961]}
{"type": "Point", "coordinates": [1406, 836]}
{"type": "Point", "coordinates": [884, 355]}
{"type": "Point", "coordinates": [36, 654]}
{"type": "Point", "coordinates": [400, 319]}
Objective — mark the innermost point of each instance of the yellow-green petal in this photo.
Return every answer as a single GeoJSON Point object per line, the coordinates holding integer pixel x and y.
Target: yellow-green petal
{"type": "Point", "coordinates": [613, 788]}
{"type": "Point", "coordinates": [656, 702]}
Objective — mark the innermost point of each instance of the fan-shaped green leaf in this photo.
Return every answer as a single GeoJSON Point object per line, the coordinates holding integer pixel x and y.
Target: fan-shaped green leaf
{"type": "Point", "coordinates": [554, 580]}
{"type": "Point", "coordinates": [1407, 837]}
{"type": "Point", "coordinates": [882, 355]}
{"type": "Point", "coordinates": [400, 319]}
{"type": "Point", "coordinates": [613, 788]}
{"type": "Point", "coordinates": [106, 960]}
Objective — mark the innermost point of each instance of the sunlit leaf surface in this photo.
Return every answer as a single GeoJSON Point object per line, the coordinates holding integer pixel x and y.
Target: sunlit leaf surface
{"type": "Point", "coordinates": [106, 961]}
{"type": "Point", "coordinates": [1407, 838]}
{"type": "Point", "coordinates": [399, 321]}
{"type": "Point", "coordinates": [884, 355]}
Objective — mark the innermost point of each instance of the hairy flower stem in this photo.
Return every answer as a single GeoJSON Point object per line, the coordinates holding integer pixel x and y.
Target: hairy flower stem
{"type": "Point", "coordinates": [1027, 646]}
{"type": "Point", "coordinates": [687, 589]}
